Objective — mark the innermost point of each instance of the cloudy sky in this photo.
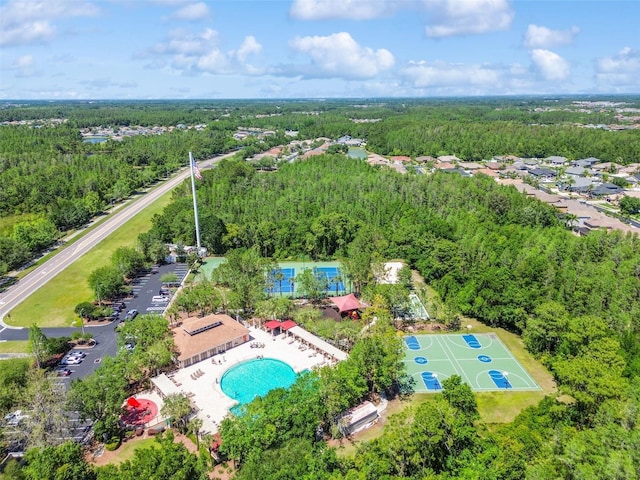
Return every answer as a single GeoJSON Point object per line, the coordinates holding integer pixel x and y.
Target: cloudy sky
{"type": "Point", "coordinates": [159, 49]}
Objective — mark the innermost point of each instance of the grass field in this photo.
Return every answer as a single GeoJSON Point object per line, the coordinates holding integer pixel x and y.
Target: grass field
{"type": "Point", "coordinates": [53, 304]}
{"type": "Point", "coordinates": [14, 346]}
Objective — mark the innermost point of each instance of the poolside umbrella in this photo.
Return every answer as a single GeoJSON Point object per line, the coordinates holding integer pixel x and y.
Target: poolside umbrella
{"type": "Point", "coordinates": [132, 402]}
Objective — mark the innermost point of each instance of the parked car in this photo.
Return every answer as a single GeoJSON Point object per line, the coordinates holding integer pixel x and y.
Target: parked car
{"type": "Point", "coordinates": [77, 353]}
{"type": "Point", "coordinates": [131, 314]}
{"type": "Point", "coordinates": [63, 372]}
{"type": "Point", "coordinates": [71, 361]}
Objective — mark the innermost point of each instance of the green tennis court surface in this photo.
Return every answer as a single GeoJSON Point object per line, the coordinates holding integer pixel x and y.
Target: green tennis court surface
{"type": "Point", "coordinates": [482, 360]}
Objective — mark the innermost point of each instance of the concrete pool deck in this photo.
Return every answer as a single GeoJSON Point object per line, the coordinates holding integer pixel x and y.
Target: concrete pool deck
{"type": "Point", "coordinates": [204, 390]}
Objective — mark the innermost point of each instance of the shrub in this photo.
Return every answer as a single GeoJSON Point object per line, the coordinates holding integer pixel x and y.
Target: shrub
{"type": "Point", "coordinates": [112, 444]}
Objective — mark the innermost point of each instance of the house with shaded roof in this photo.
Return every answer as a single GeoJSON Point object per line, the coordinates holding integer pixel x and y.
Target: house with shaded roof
{"type": "Point", "coordinates": [469, 165]}
{"type": "Point", "coordinates": [575, 184]}
{"type": "Point", "coordinates": [606, 189]}
{"type": "Point", "coordinates": [448, 159]}
{"type": "Point", "coordinates": [586, 162]}
{"type": "Point", "coordinates": [556, 160]}
{"type": "Point", "coordinates": [543, 173]}
{"type": "Point", "coordinates": [577, 171]}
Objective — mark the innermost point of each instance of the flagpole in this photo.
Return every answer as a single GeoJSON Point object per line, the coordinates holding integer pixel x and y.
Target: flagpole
{"type": "Point", "coordinates": [195, 202]}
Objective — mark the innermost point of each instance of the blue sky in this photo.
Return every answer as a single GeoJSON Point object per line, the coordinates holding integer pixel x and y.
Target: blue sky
{"type": "Point", "coordinates": [162, 49]}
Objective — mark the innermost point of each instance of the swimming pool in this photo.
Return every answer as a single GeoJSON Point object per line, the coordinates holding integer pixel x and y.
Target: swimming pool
{"type": "Point", "coordinates": [255, 378]}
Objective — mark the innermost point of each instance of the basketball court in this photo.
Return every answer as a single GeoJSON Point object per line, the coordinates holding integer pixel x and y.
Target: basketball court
{"type": "Point", "coordinates": [482, 360]}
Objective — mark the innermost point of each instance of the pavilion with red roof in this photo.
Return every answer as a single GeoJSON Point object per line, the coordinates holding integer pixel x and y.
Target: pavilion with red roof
{"type": "Point", "coordinates": [347, 303]}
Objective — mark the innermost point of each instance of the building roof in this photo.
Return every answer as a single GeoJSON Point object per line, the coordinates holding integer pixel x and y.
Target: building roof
{"type": "Point", "coordinates": [556, 159]}
{"type": "Point", "coordinates": [470, 165]}
{"type": "Point", "coordinates": [448, 158]}
{"type": "Point", "coordinates": [165, 385]}
{"type": "Point", "coordinates": [606, 189]}
{"type": "Point", "coordinates": [272, 324]}
{"type": "Point", "coordinates": [347, 302]}
{"type": "Point", "coordinates": [287, 324]}
{"type": "Point", "coordinates": [543, 172]}
{"type": "Point", "coordinates": [191, 344]}
{"type": "Point", "coordinates": [318, 343]}
{"type": "Point", "coordinates": [488, 172]}
{"type": "Point", "coordinates": [576, 170]}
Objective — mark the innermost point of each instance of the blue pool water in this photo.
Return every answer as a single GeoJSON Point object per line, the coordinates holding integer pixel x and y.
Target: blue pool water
{"type": "Point", "coordinates": [255, 378]}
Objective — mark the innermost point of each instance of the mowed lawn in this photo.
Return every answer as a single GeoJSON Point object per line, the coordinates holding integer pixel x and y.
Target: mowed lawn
{"type": "Point", "coordinates": [53, 304]}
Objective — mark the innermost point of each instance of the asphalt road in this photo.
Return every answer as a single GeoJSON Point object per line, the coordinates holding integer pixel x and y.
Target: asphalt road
{"type": "Point", "coordinates": [18, 292]}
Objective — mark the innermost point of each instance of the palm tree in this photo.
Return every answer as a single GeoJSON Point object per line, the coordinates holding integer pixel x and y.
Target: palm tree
{"type": "Point", "coordinates": [279, 277]}
{"type": "Point", "coordinates": [337, 280]}
{"type": "Point", "coordinates": [193, 427]}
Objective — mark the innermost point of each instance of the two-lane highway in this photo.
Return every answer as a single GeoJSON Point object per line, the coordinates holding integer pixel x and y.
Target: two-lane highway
{"type": "Point", "coordinates": [18, 292]}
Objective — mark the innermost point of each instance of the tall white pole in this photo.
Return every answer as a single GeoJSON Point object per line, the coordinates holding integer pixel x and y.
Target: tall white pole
{"type": "Point", "coordinates": [195, 202]}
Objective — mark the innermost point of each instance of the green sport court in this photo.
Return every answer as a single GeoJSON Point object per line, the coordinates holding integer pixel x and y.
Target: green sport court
{"type": "Point", "coordinates": [482, 360]}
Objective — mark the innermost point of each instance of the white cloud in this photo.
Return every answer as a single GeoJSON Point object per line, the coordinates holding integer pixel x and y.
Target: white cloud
{"type": "Point", "coordinates": [192, 12]}
{"type": "Point", "coordinates": [336, 9]}
{"type": "Point", "coordinates": [248, 47]}
{"type": "Point", "coordinates": [23, 61]}
{"type": "Point", "coordinates": [339, 56]}
{"type": "Point", "coordinates": [195, 53]}
{"type": "Point", "coordinates": [441, 74]}
{"type": "Point", "coordinates": [543, 37]}
{"type": "Point", "coordinates": [183, 42]}
{"type": "Point", "coordinates": [31, 21]}
{"type": "Point", "coordinates": [550, 65]}
{"type": "Point", "coordinates": [467, 17]}
{"type": "Point", "coordinates": [622, 69]}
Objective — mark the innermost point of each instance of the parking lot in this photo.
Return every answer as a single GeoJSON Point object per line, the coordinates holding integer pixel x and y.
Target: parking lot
{"type": "Point", "coordinates": [144, 289]}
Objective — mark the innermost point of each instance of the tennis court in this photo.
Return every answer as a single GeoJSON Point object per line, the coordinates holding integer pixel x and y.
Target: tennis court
{"type": "Point", "coordinates": [282, 280]}
{"type": "Point", "coordinates": [332, 277]}
{"type": "Point", "coordinates": [482, 360]}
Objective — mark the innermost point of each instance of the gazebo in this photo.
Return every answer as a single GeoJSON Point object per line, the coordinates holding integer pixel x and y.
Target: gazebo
{"type": "Point", "coordinates": [347, 303]}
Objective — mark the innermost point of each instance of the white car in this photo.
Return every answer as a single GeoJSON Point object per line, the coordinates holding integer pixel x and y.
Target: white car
{"type": "Point", "coordinates": [71, 361]}
{"type": "Point", "coordinates": [76, 353]}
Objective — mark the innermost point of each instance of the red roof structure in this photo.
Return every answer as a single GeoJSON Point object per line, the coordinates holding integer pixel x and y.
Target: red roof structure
{"type": "Point", "coordinates": [287, 324]}
{"type": "Point", "coordinates": [272, 324]}
{"type": "Point", "coordinates": [347, 303]}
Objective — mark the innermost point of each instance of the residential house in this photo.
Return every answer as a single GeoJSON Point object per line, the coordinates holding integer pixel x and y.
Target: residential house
{"type": "Point", "coordinates": [444, 166]}
{"type": "Point", "coordinates": [606, 189]}
{"type": "Point", "coordinates": [575, 184]}
{"type": "Point", "coordinates": [425, 159]}
{"type": "Point", "coordinates": [586, 162]}
{"type": "Point", "coordinates": [506, 158]}
{"type": "Point", "coordinates": [578, 171]}
{"type": "Point", "coordinates": [543, 174]}
{"type": "Point", "coordinates": [469, 165]}
{"type": "Point", "coordinates": [448, 159]}
{"type": "Point", "coordinates": [606, 167]}
{"type": "Point", "coordinates": [487, 171]}
{"type": "Point", "coordinates": [630, 169]}
{"type": "Point", "coordinates": [556, 161]}
{"type": "Point", "coordinates": [401, 159]}
{"type": "Point", "coordinates": [531, 163]}
{"type": "Point", "coordinates": [456, 170]}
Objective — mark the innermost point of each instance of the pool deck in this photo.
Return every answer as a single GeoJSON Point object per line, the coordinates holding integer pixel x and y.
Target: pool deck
{"type": "Point", "coordinates": [205, 393]}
